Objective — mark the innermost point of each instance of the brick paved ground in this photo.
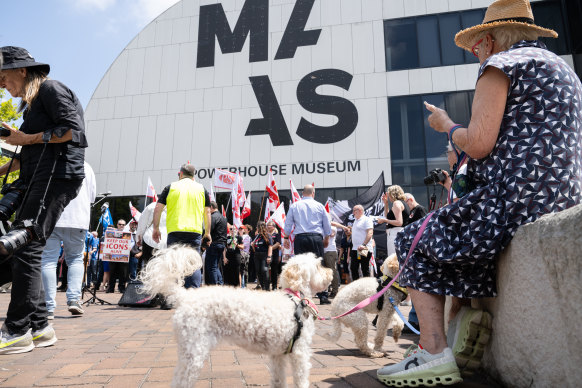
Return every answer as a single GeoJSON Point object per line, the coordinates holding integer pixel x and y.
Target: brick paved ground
{"type": "Point", "coordinates": [112, 346]}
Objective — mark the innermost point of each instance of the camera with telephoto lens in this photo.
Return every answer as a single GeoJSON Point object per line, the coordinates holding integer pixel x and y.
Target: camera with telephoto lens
{"type": "Point", "coordinates": [435, 176]}
{"type": "Point", "coordinates": [13, 194]}
{"type": "Point", "coordinates": [21, 234]}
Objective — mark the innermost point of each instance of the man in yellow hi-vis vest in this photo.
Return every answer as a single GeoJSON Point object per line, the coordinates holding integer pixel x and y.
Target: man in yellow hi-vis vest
{"type": "Point", "coordinates": [188, 215]}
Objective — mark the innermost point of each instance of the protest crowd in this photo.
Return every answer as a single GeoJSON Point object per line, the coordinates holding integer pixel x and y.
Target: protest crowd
{"type": "Point", "coordinates": [442, 250]}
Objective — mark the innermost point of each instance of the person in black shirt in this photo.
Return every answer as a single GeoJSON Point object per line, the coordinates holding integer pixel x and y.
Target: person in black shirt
{"type": "Point", "coordinates": [396, 218]}
{"type": "Point", "coordinates": [344, 256]}
{"type": "Point", "coordinates": [234, 246]}
{"type": "Point", "coordinates": [215, 252]}
{"type": "Point", "coordinates": [263, 247]}
{"type": "Point", "coordinates": [52, 136]}
{"type": "Point", "coordinates": [276, 265]}
{"type": "Point", "coordinates": [417, 212]}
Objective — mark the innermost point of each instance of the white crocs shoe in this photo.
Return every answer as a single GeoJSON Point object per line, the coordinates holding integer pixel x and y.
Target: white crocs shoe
{"type": "Point", "coordinates": [420, 368]}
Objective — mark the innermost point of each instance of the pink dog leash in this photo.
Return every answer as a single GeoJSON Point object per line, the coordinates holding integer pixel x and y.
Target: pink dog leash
{"type": "Point", "coordinates": [372, 298]}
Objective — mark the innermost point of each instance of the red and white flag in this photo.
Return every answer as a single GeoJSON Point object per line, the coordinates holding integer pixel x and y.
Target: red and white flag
{"type": "Point", "coordinates": [294, 194]}
{"type": "Point", "coordinates": [223, 212]}
{"type": "Point", "coordinates": [151, 192]}
{"type": "Point", "coordinates": [271, 188]}
{"type": "Point", "coordinates": [267, 212]}
{"type": "Point", "coordinates": [224, 179]}
{"type": "Point", "coordinates": [236, 220]}
{"type": "Point", "coordinates": [240, 190]}
{"type": "Point", "coordinates": [278, 217]}
{"type": "Point", "coordinates": [135, 214]}
{"type": "Point", "coordinates": [247, 208]}
{"type": "Point", "coordinates": [327, 206]}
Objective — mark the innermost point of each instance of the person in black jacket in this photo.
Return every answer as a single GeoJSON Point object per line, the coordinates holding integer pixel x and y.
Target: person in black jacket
{"type": "Point", "coordinates": [52, 137]}
{"type": "Point", "coordinates": [262, 245]}
{"type": "Point", "coordinates": [234, 247]}
{"type": "Point", "coordinates": [215, 252]}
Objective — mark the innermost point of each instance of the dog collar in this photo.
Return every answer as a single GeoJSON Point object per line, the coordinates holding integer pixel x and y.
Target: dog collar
{"type": "Point", "coordinates": [302, 298]}
{"type": "Point", "coordinates": [382, 282]}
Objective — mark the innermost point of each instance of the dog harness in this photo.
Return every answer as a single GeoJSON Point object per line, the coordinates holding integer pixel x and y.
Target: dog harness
{"type": "Point", "coordinates": [299, 307]}
{"type": "Point", "coordinates": [383, 282]}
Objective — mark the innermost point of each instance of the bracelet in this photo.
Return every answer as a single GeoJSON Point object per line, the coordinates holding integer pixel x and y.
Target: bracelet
{"type": "Point", "coordinates": [452, 130]}
{"type": "Point", "coordinates": [268, 257]}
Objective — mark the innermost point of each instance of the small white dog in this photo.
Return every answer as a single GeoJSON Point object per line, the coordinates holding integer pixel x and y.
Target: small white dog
{"type": "Point", "coordinates": [258, 321]}
{"type": "Point", "coordinates": [354, 293]}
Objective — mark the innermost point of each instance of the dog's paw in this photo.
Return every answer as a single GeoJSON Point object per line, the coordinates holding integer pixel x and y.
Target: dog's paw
{"type": "Point", "coordinates": [377, 354]}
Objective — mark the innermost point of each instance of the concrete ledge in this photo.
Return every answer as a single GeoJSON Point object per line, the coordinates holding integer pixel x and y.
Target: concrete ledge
{"type": "Point", "coordinates": [537, 316]}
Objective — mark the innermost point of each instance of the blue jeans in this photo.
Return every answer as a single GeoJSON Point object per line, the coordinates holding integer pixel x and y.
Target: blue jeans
{"type": "Point", "coordinates": [213, 257]}
{"type": "Point", "coordinates": [133, 261]}
{"type": "Point", "coordinates": [73, 244]}
{"type": "Point", "coordinates": [194, 240]}
{"type": "Point", "coordinates": [92, 272]}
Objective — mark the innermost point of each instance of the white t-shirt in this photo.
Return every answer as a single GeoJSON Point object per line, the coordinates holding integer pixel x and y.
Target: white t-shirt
{"type": "Point", "coordinates": [331, 246]}
{"type": "Point", "coordinates": [76, 214]}
{"type": "Point", "coordinates": [360, 230]}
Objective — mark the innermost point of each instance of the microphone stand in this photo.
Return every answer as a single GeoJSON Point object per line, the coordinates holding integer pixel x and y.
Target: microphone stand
{"type": "Point", "coordinates": [94, 298]}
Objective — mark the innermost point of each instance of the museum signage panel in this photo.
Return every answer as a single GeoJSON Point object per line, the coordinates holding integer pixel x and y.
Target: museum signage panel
{"type": "Point", "coordinates": [295, 86]}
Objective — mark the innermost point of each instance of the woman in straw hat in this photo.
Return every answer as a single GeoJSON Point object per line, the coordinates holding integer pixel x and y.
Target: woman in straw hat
{"type": "Point", "coordinates": [52, 140]}
{"type": "Point", "coordinates": [524, 145]}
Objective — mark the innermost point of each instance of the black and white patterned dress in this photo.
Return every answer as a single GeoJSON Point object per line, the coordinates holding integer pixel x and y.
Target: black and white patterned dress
{"type": "Point", "coordinates": [534, 169]}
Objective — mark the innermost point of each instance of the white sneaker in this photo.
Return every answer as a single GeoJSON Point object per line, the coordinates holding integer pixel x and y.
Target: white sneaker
{"type": "Point", "coordinates": [420, 368]}
{"type": "Point", "coordinates": [45, 337]}
{"type": "Point", "coordinates": [13, 343]}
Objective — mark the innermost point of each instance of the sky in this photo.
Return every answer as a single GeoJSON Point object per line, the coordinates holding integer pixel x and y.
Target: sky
{"type": "Point", "coordinates": [79, 39]}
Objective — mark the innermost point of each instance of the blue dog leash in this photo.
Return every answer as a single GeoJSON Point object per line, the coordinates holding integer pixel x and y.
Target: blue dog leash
{"type": "Point", "coordinates": [402, 316]}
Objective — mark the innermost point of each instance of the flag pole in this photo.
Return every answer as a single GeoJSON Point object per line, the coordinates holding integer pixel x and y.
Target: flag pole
{"type": "Point", "coordinates": [262, 202]}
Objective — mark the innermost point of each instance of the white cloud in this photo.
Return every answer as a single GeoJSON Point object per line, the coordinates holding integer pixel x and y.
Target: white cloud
{"type": "Point", "coordinates": [100, 5]}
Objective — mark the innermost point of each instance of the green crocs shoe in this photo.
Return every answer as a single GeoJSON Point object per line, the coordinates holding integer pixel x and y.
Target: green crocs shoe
{"type": "Point", "coordinates": [468, 334]}
{"type": "Point", "coordinates": [420, 368]}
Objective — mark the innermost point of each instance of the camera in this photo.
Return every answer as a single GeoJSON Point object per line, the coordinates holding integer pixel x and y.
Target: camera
{"type": "Point", "coordinates": [13, 195]}
{"type": "Point", "coordinates": [4, 132]}
{"type": "Point", "coordinates": [22, 233]}
{"type": "Point", "coordinates": [435, 176]}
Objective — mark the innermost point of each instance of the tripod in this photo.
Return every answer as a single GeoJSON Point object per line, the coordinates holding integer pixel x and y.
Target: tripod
{"type": "Point", "coordinates": [94, 299]}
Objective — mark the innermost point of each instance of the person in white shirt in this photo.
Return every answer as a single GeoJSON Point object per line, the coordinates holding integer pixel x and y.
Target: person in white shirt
{"type": "Point", "coordinates": [71, 229]}
{"type": "Point", "coordinates": [145, 228]}
{"type": "Point", "coordinates": [362, 232]}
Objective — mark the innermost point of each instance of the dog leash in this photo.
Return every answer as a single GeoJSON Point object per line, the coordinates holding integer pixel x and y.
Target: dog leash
{"type": "Point", "coordinates": [372, 298]}
{"type": "Point", "coordinates": [395, 305]}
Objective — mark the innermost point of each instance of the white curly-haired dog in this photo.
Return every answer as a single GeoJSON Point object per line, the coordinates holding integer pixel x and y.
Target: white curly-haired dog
{"type": "Point", "coordinates": [258, 321]}
{"type": "Point", "coordinates": [354, 293]}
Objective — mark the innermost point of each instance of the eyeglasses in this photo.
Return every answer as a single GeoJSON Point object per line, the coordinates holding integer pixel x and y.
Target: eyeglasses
{"type": "Point", "coordinates": [475, 49]}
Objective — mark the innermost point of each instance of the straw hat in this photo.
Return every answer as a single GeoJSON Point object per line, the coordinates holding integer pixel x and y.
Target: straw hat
{"type": "Point", "coordinates": [503, 13]}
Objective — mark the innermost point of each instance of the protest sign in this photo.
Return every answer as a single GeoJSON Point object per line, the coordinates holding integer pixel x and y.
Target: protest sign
{"type": "Point", "coordinates": [116, 246]}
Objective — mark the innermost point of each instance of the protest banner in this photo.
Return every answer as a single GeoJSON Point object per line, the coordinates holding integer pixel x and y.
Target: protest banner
{"type": "Point", "coordinates": [116, 246]}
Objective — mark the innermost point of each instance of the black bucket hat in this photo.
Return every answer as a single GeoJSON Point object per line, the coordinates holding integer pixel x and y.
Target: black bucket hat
{"type": "Point", "coordinates": [17, 57]}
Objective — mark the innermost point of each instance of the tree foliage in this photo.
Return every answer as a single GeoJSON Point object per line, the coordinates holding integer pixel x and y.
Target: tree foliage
{"type": "Point", "coordinates": [8, 114]}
